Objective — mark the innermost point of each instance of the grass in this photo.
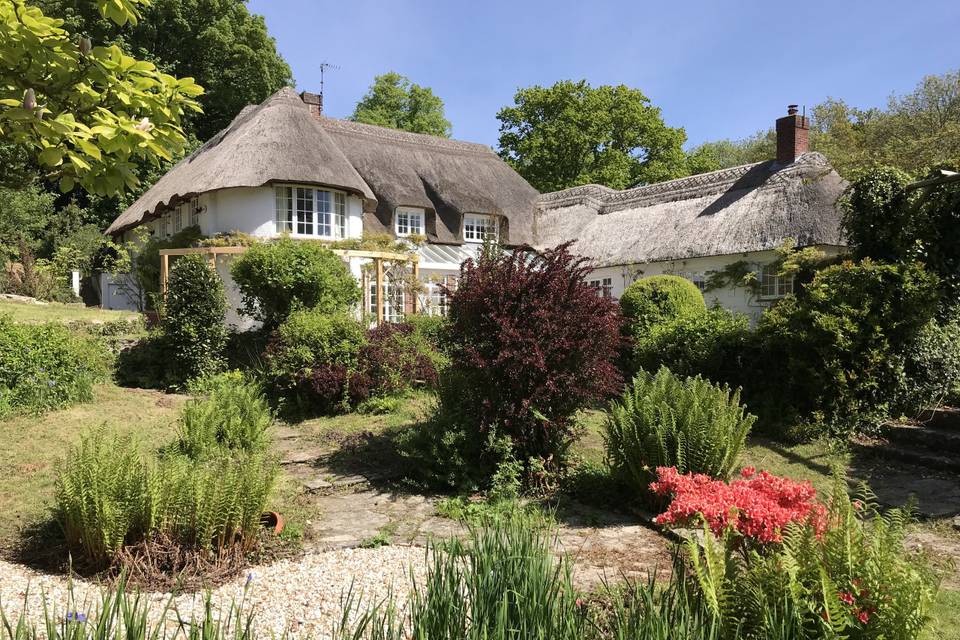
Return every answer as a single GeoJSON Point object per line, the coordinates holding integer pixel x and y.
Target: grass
{"type": "Point", "coordinates": [57, 312]}
{"type": "Point", "coordinates": [33, 446]}
{"type": "Point", "coordinates": [945, 617]}
{"type": "Point", "coordinates": [332, 429]}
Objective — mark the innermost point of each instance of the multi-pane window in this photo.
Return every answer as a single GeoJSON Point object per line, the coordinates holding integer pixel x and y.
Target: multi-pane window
{"type": "Point", "coordinates": [477, 228]}
{"type": "Point", "coordinates": [178, 219]}
{"type": "Point", "coordinates": [698, 279]}
{"type": "Point", "coordinates": [340, 214]}
{"type": "Point", "coordinates": [164, 230]}
{"type": "Point", "coordinates": [773, 285]}
{"type": "Point", "coordinates": [435, 300]}
{"type": "Point", "coordinates": [305, 211]}
{"type": "Point", "coordinates": [394, 299]}
{"type": "Point", "coordinates": [195, 212]}
{"type": "Point", "coordinates": [409, 222]}
{"type": "Point", "coordinates": [604, 286]}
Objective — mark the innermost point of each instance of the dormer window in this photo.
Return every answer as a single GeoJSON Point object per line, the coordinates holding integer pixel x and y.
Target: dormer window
{"type": "Point", "coordinates": [409, 222]}
{"type": "Point", "coordinates": [479, 227]}
{"type": "Point", "coordinates": [305, 211]}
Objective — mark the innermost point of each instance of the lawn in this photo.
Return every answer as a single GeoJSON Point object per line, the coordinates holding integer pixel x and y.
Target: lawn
{"type": "Point", "coordinates": [56, 312]}
{"type": "Point", "coordinates": [33, 446]}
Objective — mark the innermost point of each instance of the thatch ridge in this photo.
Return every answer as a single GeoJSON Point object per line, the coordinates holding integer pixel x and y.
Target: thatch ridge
{"type": "Point", "coordinates": [742, 209]}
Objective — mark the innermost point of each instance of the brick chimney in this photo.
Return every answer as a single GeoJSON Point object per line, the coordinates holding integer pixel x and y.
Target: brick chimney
{"type": "Point", "coordinates": [793, 136]}
{"type": "Point", "coordinates": [314, 101]}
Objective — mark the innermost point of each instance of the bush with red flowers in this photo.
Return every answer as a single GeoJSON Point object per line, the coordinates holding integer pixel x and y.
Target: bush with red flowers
{"type": "Point", "coordinates": [758, 506]}
{"type": "Point", "coordinates": [532, 343]}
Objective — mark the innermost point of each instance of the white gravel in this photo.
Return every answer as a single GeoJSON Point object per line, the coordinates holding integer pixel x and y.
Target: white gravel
{"type": "Point", "coordinates": [301, 596]}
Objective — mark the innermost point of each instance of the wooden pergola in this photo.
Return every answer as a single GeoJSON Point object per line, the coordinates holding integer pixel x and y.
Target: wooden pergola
{"type": "Point", "coordinates": [378, 258]}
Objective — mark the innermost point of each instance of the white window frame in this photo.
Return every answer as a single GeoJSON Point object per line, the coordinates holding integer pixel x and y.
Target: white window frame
{"type": "Point", "coordinates": [178, 219]}
{"type": "Point", "coordinates": [310, 212]}
{"type": "Point", "coordinates": [604, 286]}
{"type": "Point", "coordinates": [163, 227]}
{"type": "Point", "coordinates": [195, 212]}
{"type": "Point", "coordinates": [409, 221]}
{"type": "Point", "coordinates": [391, 312]}
{"type": "Point", "coordinates": [478, 227]}
{"type": "Point", "coordinates": [773, 286]}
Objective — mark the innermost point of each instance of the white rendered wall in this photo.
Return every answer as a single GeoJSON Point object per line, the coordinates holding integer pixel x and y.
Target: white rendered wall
{"type": "Point", "coordinates": [738, 299]}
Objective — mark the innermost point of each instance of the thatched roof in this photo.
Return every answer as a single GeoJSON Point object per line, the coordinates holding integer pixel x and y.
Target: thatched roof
{"type": "Point", "coordinates": [281, 141]}
{"type": "Point", "coordinates": [753, 207]}
{"type": "Point", "coordinates": [449, 177]}
{"type": "Point", "coordinates": [274, 141]}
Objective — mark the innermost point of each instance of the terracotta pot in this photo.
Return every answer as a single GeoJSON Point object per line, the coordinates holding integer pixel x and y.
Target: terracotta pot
{"type": "Point", "coordinates": [273, 520]}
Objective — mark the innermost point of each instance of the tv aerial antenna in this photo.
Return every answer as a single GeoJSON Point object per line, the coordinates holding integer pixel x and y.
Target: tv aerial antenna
{"type": "Point", "coordinates": [324, 66]}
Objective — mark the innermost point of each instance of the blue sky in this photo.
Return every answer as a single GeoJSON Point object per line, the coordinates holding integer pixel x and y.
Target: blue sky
{"type": "Point", "coordinates": [718, 70]}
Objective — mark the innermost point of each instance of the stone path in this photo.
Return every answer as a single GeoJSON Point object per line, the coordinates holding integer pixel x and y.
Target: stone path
{"type": "Point", "coordinates": [347, 509]}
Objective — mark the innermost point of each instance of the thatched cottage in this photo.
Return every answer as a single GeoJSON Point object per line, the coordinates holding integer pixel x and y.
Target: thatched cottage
{"type": "Point", "coordinates": [281, 167]}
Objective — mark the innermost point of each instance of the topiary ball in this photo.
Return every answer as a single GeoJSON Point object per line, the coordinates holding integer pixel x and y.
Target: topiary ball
{"type": "Point", "coordinates": [660, 299]}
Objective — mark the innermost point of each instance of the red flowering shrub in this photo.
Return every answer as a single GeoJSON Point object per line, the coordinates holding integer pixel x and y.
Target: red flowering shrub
{"type": "Point", "coordinates": [758, 506]}
{"type": "Point", "coordinates": [532, 343]}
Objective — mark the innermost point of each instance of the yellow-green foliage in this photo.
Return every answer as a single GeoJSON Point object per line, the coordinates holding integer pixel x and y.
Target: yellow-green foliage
{"type": "Point", "coordinates": [233, 417]}
{"type": "Point", "coordinates": [651, 301]}
{"type": "Point", "coordinates": [110, 493]}
{"type": "Point", "coordinates": [44, 367]}
{"type": "Point", "coordinates": [666, 421]}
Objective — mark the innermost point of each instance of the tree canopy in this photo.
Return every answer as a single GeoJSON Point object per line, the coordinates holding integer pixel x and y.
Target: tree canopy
{"type": "Point", "coordinates": [86, 114]}
{"type": "Point", "coordinates": [572, 133]}
{"type": "Point", "coordinates": [913, 133]}
{"type": "Point", "coordinates": [396, 102]}
{"type": "Point", "coordinates": [219, 43]}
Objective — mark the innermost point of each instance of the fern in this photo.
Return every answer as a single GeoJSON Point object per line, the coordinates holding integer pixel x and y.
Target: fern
{"type": "Point", "coordinates": [665, 421]}
{"type": "Point", "coordinates": [234, 417]}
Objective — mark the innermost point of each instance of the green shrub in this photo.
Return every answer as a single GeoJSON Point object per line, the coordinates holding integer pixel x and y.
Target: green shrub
{"type": "Point", "coordinates": [652, 301]}
{"type": "Point", "coordinates": [833, 354]}
{"type": "Point", "coordinates": [394, 359]}
{"type": "Point", "coordinates": [709, 344]}
{"type": "Point", "coordinates": [235, 416]}
{"type": "Point", "coordinates": [45, 367]}
{"type": "Point", "coordinates": [852, 580]}
{"type": "Point", "coordinates": [216, 505]}
{"type": "Point", "coordinates": [665, 421]}
{"type": "Point", "coordinates": [277, 278]}
{"type": "Point", "coordinates": [143, 364]}
{"type": "Point", "coordinates": [193, 326]}
{"type": "Point", "coordinates": [107, 496]}
{"type": "Point", "coordinates": [308, 361]}
{"type": "Point", "coordinates": [432, 329]}
{"type": "Point", "coordinates": [932, 367]}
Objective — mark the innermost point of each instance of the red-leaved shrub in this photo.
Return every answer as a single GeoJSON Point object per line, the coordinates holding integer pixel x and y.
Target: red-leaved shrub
{"type": "Point", "coordinates": [531, 343]}
{"type": "Point", "coordinates": [758, 506]}
{"type": "Point", "coordinates": [393, 359]}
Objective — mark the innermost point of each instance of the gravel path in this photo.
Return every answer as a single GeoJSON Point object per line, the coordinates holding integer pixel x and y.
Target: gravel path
{"type": "Point", "coordinates": [301, 596]}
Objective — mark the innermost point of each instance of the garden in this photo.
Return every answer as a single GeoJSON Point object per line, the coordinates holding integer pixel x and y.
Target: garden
{"type": "Point", "coordinates": [541, 462]}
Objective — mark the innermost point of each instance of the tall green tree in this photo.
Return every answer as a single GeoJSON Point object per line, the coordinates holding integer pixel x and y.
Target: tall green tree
{"type": "Point", "coordinates": [219, 43]}
{"type": "Point", "coordinates": [396, 102]}
{"type": "Point", "coordinates": [572, 133]}
{"type": "Point", "coordinates": [86, 114]}
{"type": "Point", "coordinates": [915, 132]}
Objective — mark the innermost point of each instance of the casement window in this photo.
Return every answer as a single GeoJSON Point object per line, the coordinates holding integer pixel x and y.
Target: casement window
{"type": "Point", "coordinates": [698, 279]}
{"type": "Point", "coordinates": [394, 299]}
{"type": "Point", "coordinates": [305, 211]}
{"type": "Point", "coordinates": [604, 286]}
{"type": "Point", "coordinates": [477, 228]}
{"type": "Point", "coordinates": [773, 285]}
{"type": "Point", "coordinates": [163, 226]}
{"type": "Point", "coordinates": [178, 219]}
{"type": "Point", "coordinates": [409, 222]}
{"type": "Point", "coordinates": [436, 301]}
{"type": "Point", "coordinates": [195, 212]}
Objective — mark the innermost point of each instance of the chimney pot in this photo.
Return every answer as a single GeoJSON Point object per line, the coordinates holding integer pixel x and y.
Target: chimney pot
{"type": "Point", "coordinates": [793, 136]}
